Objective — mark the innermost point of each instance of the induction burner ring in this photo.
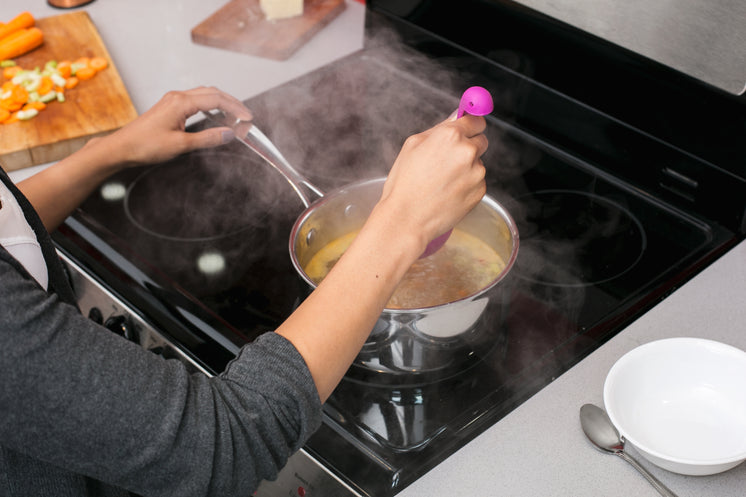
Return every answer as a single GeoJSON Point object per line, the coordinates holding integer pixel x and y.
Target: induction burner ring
{"type": "Point", "coordinates": [198, 198]}
{"type": "Point", "coordinates": [575, 238]}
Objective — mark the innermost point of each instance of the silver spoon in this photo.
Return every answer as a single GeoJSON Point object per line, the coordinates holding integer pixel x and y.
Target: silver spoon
{"type": "Point", "coordinates": [601, 432]}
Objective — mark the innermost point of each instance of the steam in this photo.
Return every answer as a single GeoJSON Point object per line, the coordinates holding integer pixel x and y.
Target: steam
{"type": "Point", "coordinates": [348, 122]}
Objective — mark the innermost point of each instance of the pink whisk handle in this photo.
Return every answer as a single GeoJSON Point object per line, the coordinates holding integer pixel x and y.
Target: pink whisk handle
{"type": "Point", "coordinates": [478, 102]}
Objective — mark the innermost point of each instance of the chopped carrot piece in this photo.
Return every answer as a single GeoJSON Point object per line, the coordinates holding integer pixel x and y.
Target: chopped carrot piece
{"type": "Point", "coordinates": [71, 83]}
{"type": "Point", "coordinates": [35, 105]}
{"type": "Point", "coordinates": [64, 68]}
{"type": "Point", "coordinates": [4, 114]}
{"type": "Point", "coordinates": [46, 85]}
{"type": "Point", "coordinates": [10, 72]}
{"type": "Point", "coordinates": [19, 94]}
{"type": "Point", "coordinates": [85, 73]}
{"type": "Point", "coordinates": [12, 119]}
{"type": "Point", "coordinates": [98, 64]}
{"type": "Point", "coordinates": [10, 105]}
{"type": "Point", "coordinates": [82, 61]}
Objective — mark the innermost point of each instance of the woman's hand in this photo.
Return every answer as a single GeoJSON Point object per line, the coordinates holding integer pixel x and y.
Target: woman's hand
{"type": "Point", "coordinates": [158, 134]}
{"type": "Point", "coordinates": [438, 177]}
{"type": "Point", "coordinates": [155, 136]}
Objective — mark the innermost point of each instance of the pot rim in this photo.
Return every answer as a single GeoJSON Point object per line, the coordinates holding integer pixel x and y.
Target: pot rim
{"type": "Point", "coordinates": [487, 200]}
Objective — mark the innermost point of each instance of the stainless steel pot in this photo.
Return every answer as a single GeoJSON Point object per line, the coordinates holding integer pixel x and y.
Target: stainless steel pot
{"type": "Point", "coordinates": [405, 341]}
{"type": "Point", "coordinates": [436, 340]}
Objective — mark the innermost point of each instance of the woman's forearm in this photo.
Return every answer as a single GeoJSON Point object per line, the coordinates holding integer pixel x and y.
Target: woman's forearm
{"type": "Point", "coordinates": [56, 191]}
{"type": "Point", "coordinates": [332, 324]}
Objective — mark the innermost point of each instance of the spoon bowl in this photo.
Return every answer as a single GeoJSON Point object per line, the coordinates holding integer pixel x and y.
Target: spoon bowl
{"type": "Point", "coordinates": [603, 435]}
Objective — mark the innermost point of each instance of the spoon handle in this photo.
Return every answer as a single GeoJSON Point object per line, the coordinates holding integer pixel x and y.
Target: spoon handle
{"type": "Point", "coordinates": [660, 487]}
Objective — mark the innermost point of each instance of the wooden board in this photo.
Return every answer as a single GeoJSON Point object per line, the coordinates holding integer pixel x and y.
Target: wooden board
{"type": "Point", "coordinates": [241, 26]}
{"type": "Point", "coordinates": [95, 107]}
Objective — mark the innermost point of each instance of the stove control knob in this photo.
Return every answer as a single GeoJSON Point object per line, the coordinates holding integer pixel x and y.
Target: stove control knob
{"type": "Point", "coordinates": [95, 315]}
{"type": "Point", "coordinates": [164, 351]}
{"type": "Point", "coordinates": [121, 326]}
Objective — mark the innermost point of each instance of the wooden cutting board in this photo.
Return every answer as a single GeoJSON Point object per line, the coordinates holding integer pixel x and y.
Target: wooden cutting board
{"type": "Point", "coordinates": [240, 26]}
{"type": "Point", "coordinates": [95, 107]}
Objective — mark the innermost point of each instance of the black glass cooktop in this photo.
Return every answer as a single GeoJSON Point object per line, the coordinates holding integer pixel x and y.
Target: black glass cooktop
{"type": "Point", "coordinates": [200, 245]}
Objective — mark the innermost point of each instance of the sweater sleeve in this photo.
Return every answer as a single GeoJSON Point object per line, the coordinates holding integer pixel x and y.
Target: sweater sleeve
{"type": "Point", "coordinates": [79, 397]}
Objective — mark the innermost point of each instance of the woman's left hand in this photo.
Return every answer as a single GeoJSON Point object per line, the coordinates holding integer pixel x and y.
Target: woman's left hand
{"type": "Point", "coordinates": [158, 134]}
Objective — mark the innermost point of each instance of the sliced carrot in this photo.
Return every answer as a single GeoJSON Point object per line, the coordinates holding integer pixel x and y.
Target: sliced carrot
{"type": "Point", "coordinates": [12, 119]}
{"type": "Point", "coordinates": [19, 94]}
{"type": "Point", "coordinates": [71, 83]}
{"type": "Point", "coordinates": [82, 61]}
{"type": "Point", "coordinates": [34, 105]}
{"type": "Point", "coordinates": [64, 68]}
{"type": "Point", "coordinates": [10, 72]}
{"type": "Point", "coordinates": [98, 63]}
{"type": "Point", "coordinates": [4, 114]}
{"type": "Point", "coordinates": [10, 105]}
{"type": "Point", "coordinates": [85, 73]}
{"type": "Point", "coordinates": [45, 86]}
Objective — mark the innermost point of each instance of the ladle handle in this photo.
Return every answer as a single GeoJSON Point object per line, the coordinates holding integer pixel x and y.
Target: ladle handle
{"type": "Point", "coordinates": [251, 136]}
{"type": "Point", "coordinates": [655, 482]}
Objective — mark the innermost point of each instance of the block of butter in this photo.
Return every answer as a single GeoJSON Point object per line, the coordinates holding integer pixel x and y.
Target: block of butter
{"type": "Point", "coordinates": [281, 9]}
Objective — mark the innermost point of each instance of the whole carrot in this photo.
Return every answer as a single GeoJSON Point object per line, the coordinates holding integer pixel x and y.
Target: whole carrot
{"type": "Point", "coordinates": [23, 20]}
{"type": "Point", "coordinates": [20, 44]}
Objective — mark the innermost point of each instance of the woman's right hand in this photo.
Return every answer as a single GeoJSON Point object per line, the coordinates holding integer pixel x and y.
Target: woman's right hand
{"type": "Point", "coordinates": [437, 178]}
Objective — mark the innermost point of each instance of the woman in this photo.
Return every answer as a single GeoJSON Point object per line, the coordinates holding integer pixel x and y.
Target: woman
{"type": "Point", "coordinates": [84, 412]}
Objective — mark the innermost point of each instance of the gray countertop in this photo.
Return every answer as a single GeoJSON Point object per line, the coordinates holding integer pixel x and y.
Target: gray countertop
{"type": "Point", "coordinates": [538, 449]}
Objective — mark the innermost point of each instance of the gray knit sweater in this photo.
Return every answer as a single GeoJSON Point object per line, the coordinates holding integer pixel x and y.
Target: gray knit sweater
{"type": "Point", "coordinates": [84, 412]}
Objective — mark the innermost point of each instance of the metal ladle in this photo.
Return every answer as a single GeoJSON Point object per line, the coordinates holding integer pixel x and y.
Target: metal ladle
{"type": "Point", "coordinates": [601, 432]}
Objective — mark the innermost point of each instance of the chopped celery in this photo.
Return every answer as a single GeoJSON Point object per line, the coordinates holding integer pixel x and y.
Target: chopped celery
{"type": "Point", "coordinates": [24, 115]}
{"type": "Point", "coordinates": [48, 97]}
{"type": "Point", "coordinates": [74, 68]}
{"type": "Point", "coordinates": [58, 80]}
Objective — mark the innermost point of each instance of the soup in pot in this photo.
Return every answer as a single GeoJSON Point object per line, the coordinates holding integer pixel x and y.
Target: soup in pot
{"type": "Point", "coordinates": [462, 267]}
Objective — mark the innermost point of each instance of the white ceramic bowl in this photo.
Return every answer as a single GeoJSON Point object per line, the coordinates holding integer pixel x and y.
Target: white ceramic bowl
{"type": "Point", "coordinates": [681, 402]}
